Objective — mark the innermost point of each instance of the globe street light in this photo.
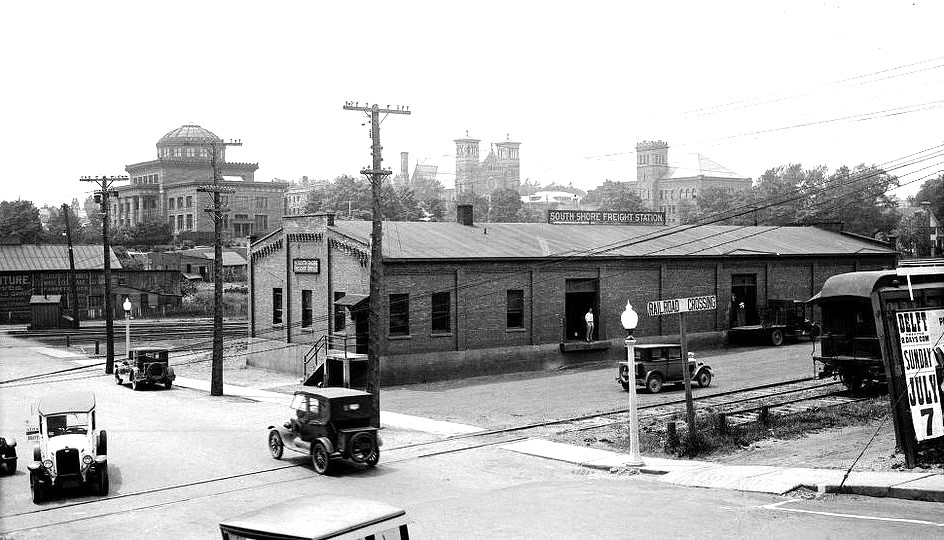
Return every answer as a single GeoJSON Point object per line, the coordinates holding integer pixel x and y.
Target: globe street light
{"type": "Point", "coordinates": [629, 319]}
{"type": "Point", "coordinates": [127, 306]}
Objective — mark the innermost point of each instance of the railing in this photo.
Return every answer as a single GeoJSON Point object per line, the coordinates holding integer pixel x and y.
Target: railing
{"type": "Point", "coordinates": [324, 344]}
{"type": "Point", "coordinates": [312, 354]}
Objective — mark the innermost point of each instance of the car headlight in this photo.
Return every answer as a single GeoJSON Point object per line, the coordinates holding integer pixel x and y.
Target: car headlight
{"type": "Point", "coordinates": [87, 459]}
{"type": "Point", "coordinates": [47, 463]}
{"type": "Point", "coordinates": [11, 442]}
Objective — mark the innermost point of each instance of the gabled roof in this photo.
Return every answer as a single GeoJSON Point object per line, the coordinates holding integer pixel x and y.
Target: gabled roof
{"type": "Point", "coordinates": [32, 258]}
{"type": "Point", "coordinates": [405, 240]}
{"type": "Point", "coordinates": [694, 165]}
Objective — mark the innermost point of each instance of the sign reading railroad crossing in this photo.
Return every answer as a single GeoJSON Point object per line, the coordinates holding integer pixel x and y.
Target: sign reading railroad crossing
{"type": "Point", "coordinates": [920, 336]}
{"type": "Point", "coordinates": [682, 305]}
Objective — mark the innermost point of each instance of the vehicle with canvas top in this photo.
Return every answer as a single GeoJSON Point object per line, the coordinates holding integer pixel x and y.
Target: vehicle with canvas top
{"type": "Point", "coordinates": [658, 364]}
{"type": "Point", "coordinates": [145, 366]}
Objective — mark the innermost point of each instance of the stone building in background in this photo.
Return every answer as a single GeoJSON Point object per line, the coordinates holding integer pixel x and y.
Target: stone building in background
{"type": "Point", "coordinates": [166, 187]}
{"type": "Point", "coordinates": [499, 170]}
{"type": "Point", "coordinates": [666, 186]}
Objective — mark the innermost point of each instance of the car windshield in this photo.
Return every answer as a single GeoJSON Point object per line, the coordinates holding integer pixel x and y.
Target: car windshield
{"type": "Point", "coordinates": [69, 423]}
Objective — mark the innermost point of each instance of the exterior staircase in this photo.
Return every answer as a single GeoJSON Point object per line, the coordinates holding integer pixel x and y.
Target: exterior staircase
{"type": "Point", "coordinates": [336, 350]}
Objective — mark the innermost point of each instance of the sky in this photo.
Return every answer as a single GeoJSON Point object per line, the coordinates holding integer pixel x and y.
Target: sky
{"type": "Point", "coordinates": [89, 87]}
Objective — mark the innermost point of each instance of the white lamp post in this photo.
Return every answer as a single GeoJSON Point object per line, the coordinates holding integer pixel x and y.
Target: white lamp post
{"type": "Point", "coordinates": [629, 319]}
{"type": "Point", "coordinates": [127, 306]}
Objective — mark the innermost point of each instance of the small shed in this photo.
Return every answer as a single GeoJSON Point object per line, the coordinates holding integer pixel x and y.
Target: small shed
{"type": "Point", "coordinates": [47, 311]}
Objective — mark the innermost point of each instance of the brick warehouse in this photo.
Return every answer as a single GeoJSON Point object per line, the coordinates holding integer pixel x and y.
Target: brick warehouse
{"type": "Point", "coordinates": [466, 299]}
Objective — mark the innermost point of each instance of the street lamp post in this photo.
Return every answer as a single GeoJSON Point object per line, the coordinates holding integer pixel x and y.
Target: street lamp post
{"type": "Point", "coordinates": [127, 306]}
{"type": "Point", "coordinates": [629, 319]}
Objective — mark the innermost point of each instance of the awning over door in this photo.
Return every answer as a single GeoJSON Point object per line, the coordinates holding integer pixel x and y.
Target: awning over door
{"type": "Point", "coordinates": [351, 300]}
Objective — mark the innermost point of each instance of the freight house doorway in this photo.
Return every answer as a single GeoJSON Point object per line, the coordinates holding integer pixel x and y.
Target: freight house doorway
{"type": "Point", "coordinates": [581, 294]}
{"type": "Point", "coordinates": [744, 300]}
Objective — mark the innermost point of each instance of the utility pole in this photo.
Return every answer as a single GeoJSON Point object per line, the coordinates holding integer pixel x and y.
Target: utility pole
{"type": "Point", "coordinates": [74, 301]}
{"type": "Point", "coordinates": [216, 212]}
{"type": "Point", "coordinates": [103, 196]}
{"type": "Point", "coordinates": [376, 301]}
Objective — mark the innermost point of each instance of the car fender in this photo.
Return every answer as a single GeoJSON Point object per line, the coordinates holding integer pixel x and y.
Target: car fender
{"type": "Point", "coordinates": [282, 430]}
{"type": "Point", "coordinates": [327, 443]}
{"type": "Point", "coordinates": [652, 372]}
{"type": "Point", "coordinates": [170, 374]}
{"type": "Point", "coordinates": [703, 367]}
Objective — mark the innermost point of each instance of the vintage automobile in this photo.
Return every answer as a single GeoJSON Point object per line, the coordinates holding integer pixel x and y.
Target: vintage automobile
{"type": "Point", "coordinates": [329, 423]}
{"type": "Point", "coordinates": [320, 516]}
{"type": "Point", "coordinates": [661, 363]}
{"type": "Point", "coordinates": [70, 449]}
{"type": "Point", "coordinates": [145, 365]}
{"type": "Point", "coordinates": [8, 454]}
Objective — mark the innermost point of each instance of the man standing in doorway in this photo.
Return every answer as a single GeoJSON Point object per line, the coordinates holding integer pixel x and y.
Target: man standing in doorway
{"type": "Point", "coordinates": [589, 318]}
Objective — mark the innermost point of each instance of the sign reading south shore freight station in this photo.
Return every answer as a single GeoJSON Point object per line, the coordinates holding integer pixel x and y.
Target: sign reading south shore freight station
{"type": "Point", "coordinates": [921, 340]}
{"type": "Point", "coordinates": [682, 305]}
{"type": "Point", "coordinates": [603, 217]}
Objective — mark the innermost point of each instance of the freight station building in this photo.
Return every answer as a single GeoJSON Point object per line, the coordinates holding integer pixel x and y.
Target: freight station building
{"type": "Point", "coordinates": [464, 299]}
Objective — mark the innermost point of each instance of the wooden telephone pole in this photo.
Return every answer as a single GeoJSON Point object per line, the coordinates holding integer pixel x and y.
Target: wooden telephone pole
{"type": "Point", "coordinates": [103, 196]}
{"type": "Point", "coordinates": [375, 175]}
{"type": "Point", "coordinates": [216, 212]}
{"type": "Point", "coordinates": [74, 295]}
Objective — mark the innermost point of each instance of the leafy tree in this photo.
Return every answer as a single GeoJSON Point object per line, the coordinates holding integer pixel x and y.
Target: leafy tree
{"type": "Point", "coordinates": [932, 191]}
{"type": "Point", "coordinates": [506, 206]}
{"type": "Point", "coordinates": [616, 196]}
{"type": "Point", "coordinates": [857, 197]}
{"type": "Point", "coordinates": [352, 197]}
{"type": "Point", "coordinates": [151, 232]}
{"type": "Point", "coordinates": [914, 235]}
{"type": "Point", "coordinates": [718, 205]}
{"type": "Point", "coordinates": [19, 221]}
{"type": "Point", "coordinates": [93, 231]}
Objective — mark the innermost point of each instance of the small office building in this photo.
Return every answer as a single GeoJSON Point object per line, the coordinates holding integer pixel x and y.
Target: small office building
{"type": "Point", "coordinates": [463, 299]}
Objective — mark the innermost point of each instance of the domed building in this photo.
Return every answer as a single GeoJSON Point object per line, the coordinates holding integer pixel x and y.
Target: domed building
{"type": "Point", "coordinates": [166, 187]}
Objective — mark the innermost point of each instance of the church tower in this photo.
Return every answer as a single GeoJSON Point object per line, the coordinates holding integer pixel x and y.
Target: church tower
{"type": "Point", "coordinates": [509, 163]}
{"type": "Point", "coordinates": [652, 165]}
{"type": "Point", "coordinates": [467, 165]}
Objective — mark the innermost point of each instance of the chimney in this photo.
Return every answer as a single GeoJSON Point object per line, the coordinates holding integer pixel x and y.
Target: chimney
{"type": "Point", "coordinates": [405, 167]}
{"type": "Point", "coordinates": [464, 214]}
{"type": "Point", "coordinates": [893, 242]}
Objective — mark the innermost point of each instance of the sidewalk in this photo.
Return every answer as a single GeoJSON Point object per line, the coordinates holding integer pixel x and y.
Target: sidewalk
{"type": "Point", "coordinates": [762, 479]}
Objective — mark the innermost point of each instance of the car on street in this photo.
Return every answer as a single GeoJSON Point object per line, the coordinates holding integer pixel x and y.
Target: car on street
{"type": "Point", "coordinates": [658, 364]}
{"type": "Point", "coordinates": [8, 454]}
{"type": "Point", "coordinates": [329, 423]}
{"type": "Point", "coordinates": [320, 517]}
{"type": "Point", "coordinates": [145, 366]}
{"type": "Point", "coordinates": [70, 449]}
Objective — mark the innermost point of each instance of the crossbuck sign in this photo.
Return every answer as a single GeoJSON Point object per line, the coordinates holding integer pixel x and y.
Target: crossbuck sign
{"type": "Point", "coordinates": [682, 305]}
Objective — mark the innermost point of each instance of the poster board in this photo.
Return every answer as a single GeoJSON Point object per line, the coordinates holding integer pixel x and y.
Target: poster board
{"type": "Point", "coordinates": [920, 341]}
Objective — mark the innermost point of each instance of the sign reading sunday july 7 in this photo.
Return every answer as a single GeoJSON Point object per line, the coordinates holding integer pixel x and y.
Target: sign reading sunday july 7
{"type": "Point", "coordinates": [921, 340]}
{"type": "Point", "coordinates": [682, 305]}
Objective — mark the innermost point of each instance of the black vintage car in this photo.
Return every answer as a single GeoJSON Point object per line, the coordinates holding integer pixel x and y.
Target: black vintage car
{"type": "Point", "coordinates": [329, 423]}
{"type": "Point", "coordinates": [145, 365]}
{"type": "Point", "coordinates": [657, 364]}
{"type": "Point", "coordinates": [8, 454]}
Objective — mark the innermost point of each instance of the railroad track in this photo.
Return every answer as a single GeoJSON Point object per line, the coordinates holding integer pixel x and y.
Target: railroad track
{"type": "Point", "coordinates": [790, 395]}
{"type": "Point", "coordinates": [142, 331]}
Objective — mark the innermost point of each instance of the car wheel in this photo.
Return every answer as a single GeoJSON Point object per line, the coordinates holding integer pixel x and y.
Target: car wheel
{"type": "Point", "coordinates": [38, 491]}
{"type": "Point", "coordinates": [776, 338]}
{"type": "Point", "coordinates": [117, 380]}
{"type": "Point", "coordinates": [852, 379]}
{"type": "Point", "coordinates": [103, 482]}
{"type": "Point", "coordinates": [373, 458]}
{"type": "Point", "coordinates": [703, 378]}
{"type": "Point", "coordinates": [320, 458]}
{"type": "Point", "coordinates": [363, 445]}
{"type": "Point", "coordinates": [168, 384]}
{"type": "Point", "coordinates": [102, 448]}
{"type": "Point", "coordinates": [135, 384]}
{"type": "Point", "coordinates": [11, 466]}
{"type": "Point", "coordinates": [276, 447]}
{"type": "Point", "coordinates": [625, 385]}
{"type": "Point", "coordinates": [654, 383]}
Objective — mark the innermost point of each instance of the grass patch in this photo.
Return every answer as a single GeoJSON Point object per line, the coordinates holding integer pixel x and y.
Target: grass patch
{"type": "Point", "coordinates": [716, 435]}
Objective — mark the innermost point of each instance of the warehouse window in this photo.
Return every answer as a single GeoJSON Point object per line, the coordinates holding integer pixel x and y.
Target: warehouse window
{"type": "Point", "coordinates": [440, 313]}
{"type": "Point", "coordinates": [277, 305]}
{"type": "Point", "coordinates": [306, 308]}
{"type": "Point", "coordinates": [338, 312]}
{"type": "Point", "coordinates": [399, 314]}
{"type": "Point", "coordinates": [515, 308]}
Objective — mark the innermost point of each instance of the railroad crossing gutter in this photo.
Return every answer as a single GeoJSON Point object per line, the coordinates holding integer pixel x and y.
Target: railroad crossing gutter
{"type": "Point", "coordinates": [920, 486]}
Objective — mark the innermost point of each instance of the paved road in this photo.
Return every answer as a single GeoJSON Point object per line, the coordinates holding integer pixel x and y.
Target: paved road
{"type": "Point", "coordinates": [181, 461]}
